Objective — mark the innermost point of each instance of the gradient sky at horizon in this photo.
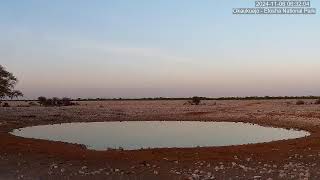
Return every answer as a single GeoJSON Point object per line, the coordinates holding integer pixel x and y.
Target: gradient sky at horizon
{"type": "Point", "coordinates": [169, 48]}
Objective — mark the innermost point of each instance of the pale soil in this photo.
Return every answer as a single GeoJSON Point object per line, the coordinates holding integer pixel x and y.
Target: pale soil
{"type": "Point", "coordinates": [38, 159]}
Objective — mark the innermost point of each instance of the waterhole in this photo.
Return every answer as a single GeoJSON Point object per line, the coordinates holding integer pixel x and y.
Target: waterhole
{"type": "Point", "coordinates": [131, 135]}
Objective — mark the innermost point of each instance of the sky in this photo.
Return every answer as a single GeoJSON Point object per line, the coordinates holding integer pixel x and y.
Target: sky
{"type": "Point", "coordinates": [159, 48]}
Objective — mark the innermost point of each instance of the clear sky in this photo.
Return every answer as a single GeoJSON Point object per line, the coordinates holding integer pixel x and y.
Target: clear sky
{"type": "Point", "coordinates": [170, 48]}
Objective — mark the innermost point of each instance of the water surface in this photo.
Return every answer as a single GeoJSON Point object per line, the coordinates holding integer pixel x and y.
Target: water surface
{"type": "Point", "coordinates": [157, 134]}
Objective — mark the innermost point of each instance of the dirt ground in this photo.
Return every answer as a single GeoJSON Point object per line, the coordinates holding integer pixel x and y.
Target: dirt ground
{"type": "Point", "coordinates": [22, 158]}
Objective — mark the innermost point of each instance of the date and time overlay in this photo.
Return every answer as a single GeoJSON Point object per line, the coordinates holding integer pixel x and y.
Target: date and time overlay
{"type": "Point", "coordinates": [277, 7]}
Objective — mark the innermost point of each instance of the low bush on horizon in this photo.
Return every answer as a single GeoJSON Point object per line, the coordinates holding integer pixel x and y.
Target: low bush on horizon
{"type": "Point", "coordinates": [300, 102]}
{"type": "Point", "coordinates": [317, 101]}
{"type": "Point", "coordinates": [196, 100]}
{"type": "Point", "coordinates": [55, 101]}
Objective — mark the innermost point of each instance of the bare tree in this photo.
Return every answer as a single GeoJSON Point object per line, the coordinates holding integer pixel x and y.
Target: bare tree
{"type": "Point", "coordinates": [7, 83]}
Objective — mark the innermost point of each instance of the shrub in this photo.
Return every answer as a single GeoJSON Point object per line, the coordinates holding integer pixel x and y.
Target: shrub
{"type": "Point", "coordinates": [55, 101]}
{"type": "Point", "coordinates": [317, 101]}
{"type": "Point", "coordinates": [49, 102]}
{"type": "Point", "coordinates": [42, 100]}
{"type": "Point", "coordinates": [67, 102]}
{"type": "Point", "coordinates": [196, 100]}
{"type": "Point", "coordinates": [6, 105]}
{"type": "Point", "coordinates": [300, 102]}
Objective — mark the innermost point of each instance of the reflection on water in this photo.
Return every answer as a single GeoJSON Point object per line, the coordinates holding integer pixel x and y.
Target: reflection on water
{"type": "Point", "coordinates": [157, 134]}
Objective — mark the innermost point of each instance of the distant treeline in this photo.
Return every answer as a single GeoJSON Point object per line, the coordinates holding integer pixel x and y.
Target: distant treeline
{"type": "Point", "coordinates": [190, 98]}
{"type": "Point", "coordinates": [202, 98]}
{"type": "Point", "coordinates": [267, 97]}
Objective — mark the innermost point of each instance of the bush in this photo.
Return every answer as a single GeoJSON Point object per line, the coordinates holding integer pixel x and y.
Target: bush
{"type": "Point", "coordinates": [42, 100]}
{"type": "Point", "coordinates": [300, 102]}
{"type": "Point", "coordinates": [6, 105]}
{"type": "Point", "coordinates": [55, 101]}
{"type": "Point", "coordinates": [67, 102]}
{"type": "Point", "coordinates": [196, 100]}
{"type": "Point", "coordinates": [49, 102]}
{"type": "Point", "coordinates": [317, 101]}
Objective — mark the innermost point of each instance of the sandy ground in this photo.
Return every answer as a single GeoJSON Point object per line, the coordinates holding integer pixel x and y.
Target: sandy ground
{"type": "Point", "coordinates": [22, 158]}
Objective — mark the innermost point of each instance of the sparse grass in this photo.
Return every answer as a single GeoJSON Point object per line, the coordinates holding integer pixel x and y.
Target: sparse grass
{"type": "Point", "coordinates": [33, 104]}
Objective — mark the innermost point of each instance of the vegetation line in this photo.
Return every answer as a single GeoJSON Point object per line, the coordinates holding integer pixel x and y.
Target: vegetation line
{"type": "Point", "coordinates": [185, 98]}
